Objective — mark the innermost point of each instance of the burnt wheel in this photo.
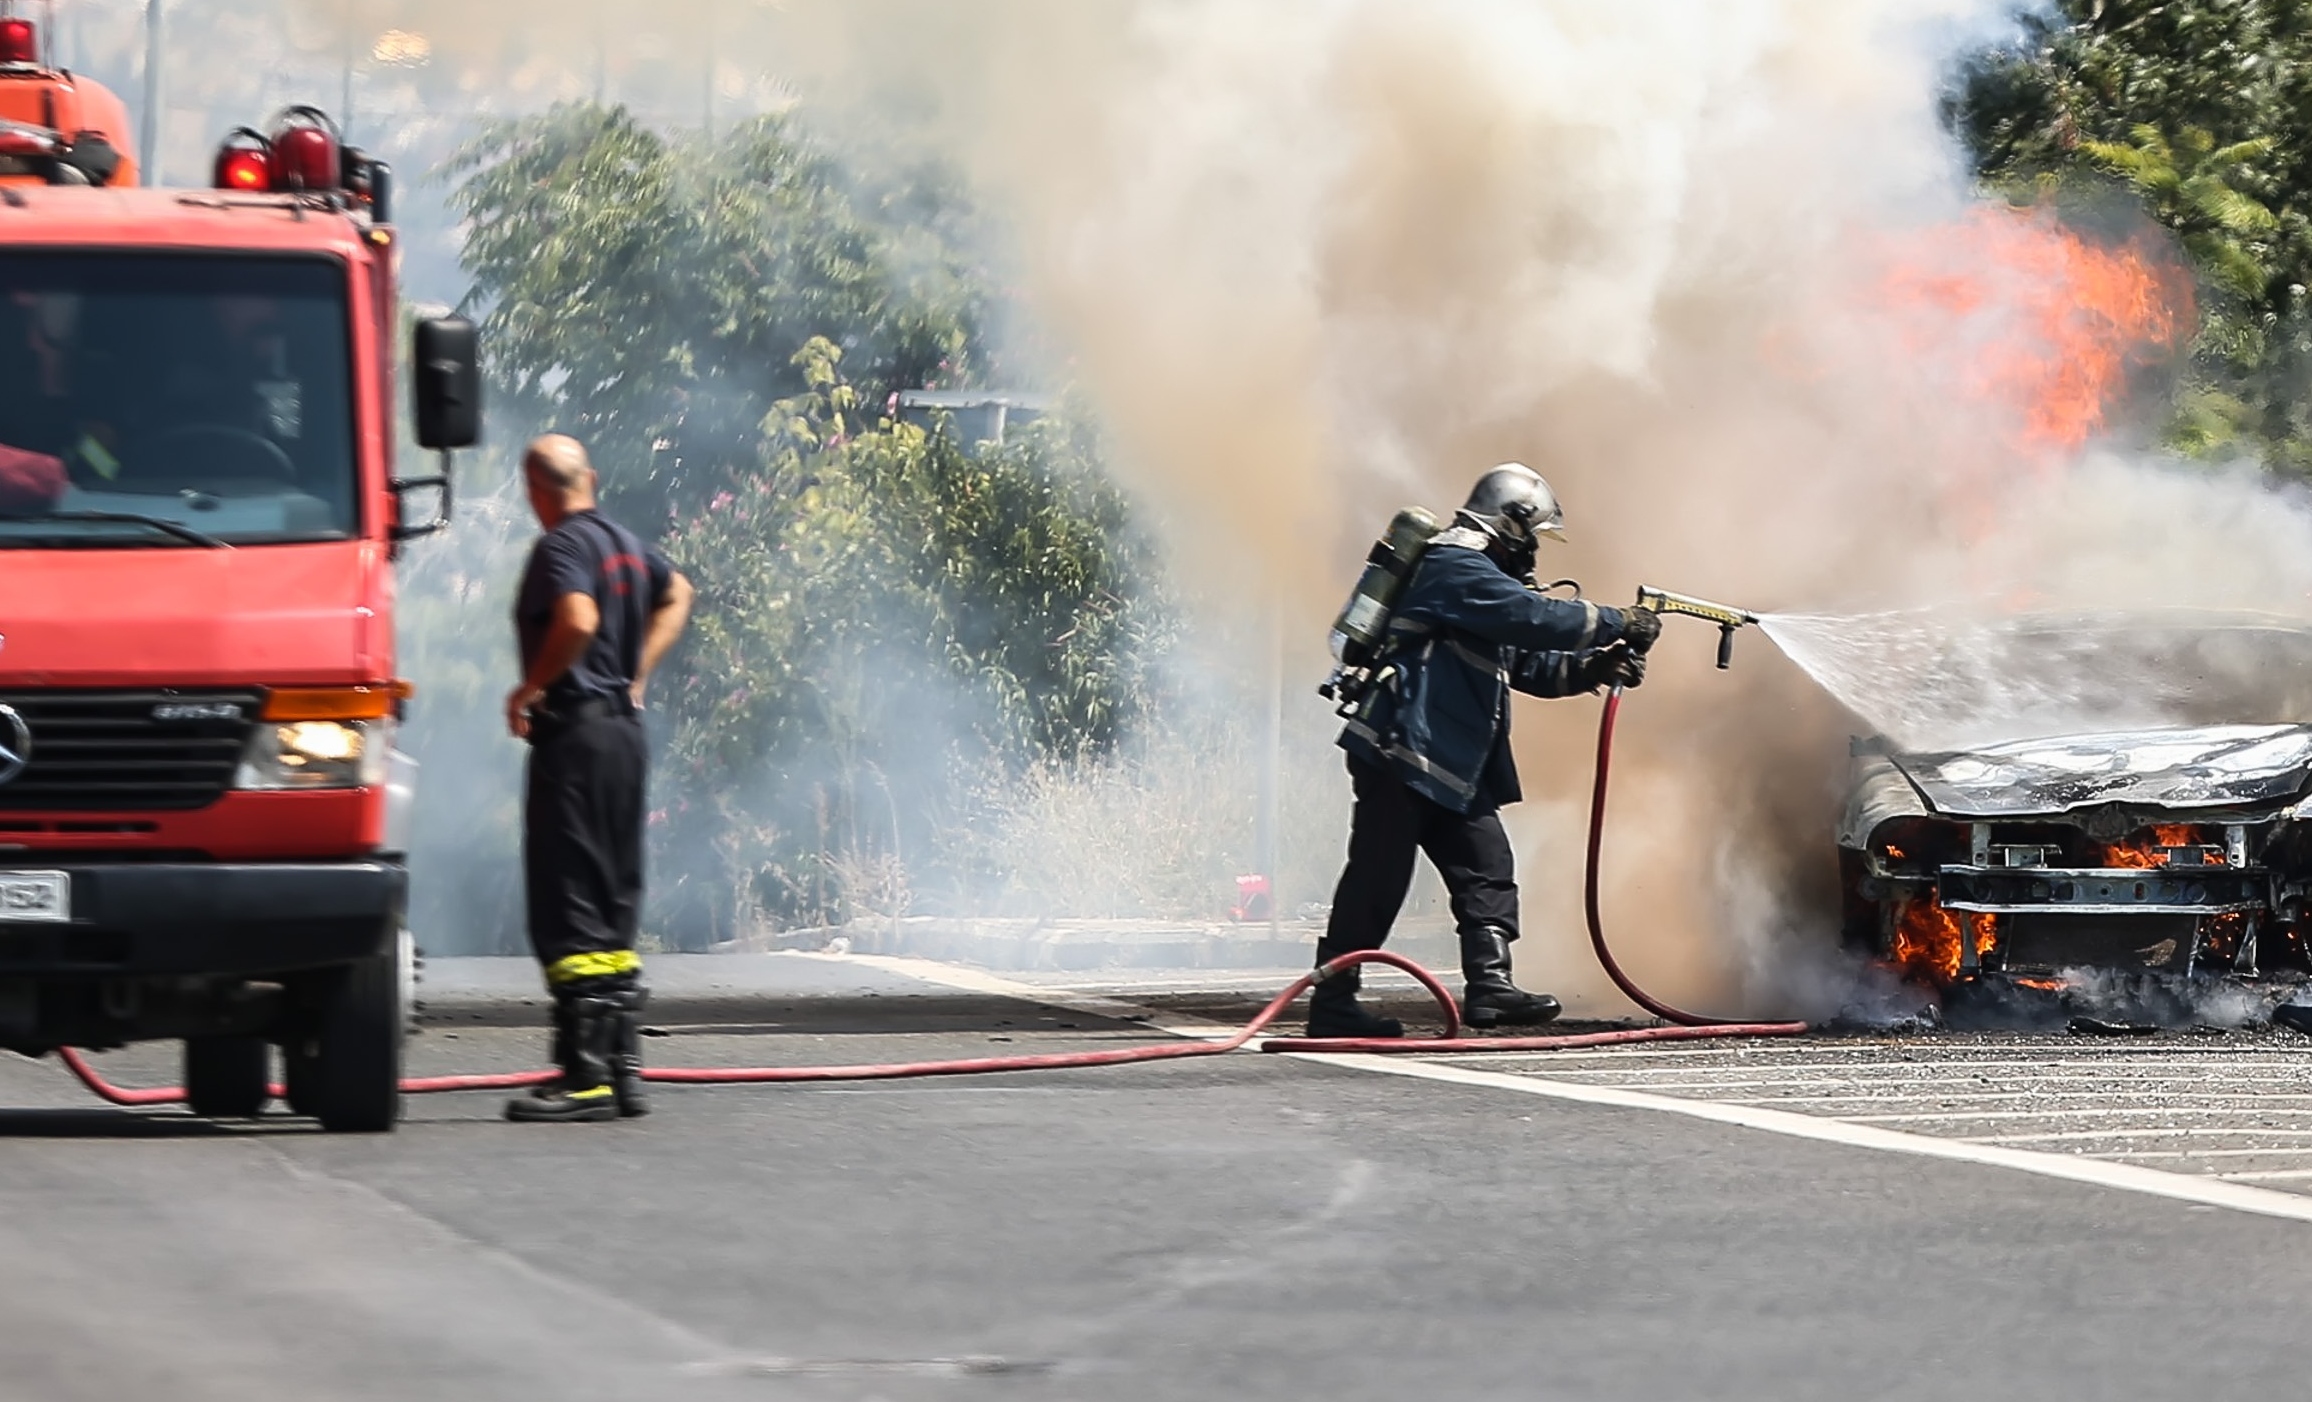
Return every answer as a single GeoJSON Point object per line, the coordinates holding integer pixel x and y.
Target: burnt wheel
{"type": "Point", "coordinates": [225, 1077]}
{"type": "Point", "coordinates": [353, 1081]}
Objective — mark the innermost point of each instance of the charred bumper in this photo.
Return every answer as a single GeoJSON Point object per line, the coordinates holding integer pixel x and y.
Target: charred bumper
{"type": "Point", "coordinates": [209, 918]}
{"type": "Point", "coordinates": [2104, 891]}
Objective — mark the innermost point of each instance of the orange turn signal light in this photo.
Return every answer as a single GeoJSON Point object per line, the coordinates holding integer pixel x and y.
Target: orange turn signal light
{"type": "Point", "coordinates": [373, 702]}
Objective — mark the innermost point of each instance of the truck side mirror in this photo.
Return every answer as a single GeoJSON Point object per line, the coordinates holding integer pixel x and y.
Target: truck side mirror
{"type": "Point", "coordinates": [446, 383]}
{"type": "Point", "coordinates": [446, 401]}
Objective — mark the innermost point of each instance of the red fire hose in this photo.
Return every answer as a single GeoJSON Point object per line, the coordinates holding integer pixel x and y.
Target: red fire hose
{"type": "Point", "coordinates": [973, 1066]}
{"type": "Point", "coordinates": [1689, 1025]}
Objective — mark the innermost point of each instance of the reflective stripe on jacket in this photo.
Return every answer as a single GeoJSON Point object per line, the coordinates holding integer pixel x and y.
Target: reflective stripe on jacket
{"type": "Point", "coordinates": [1463, 636]}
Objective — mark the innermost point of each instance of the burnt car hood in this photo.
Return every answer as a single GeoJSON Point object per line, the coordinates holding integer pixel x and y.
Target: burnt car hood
{"type": "Point", "coordinates": [2214, 766]}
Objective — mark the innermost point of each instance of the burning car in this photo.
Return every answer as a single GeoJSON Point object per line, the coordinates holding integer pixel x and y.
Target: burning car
{"type": "Point", "coordinates": [2168, 852]}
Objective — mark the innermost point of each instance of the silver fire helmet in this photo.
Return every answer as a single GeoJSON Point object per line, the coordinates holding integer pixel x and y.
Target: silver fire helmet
{"type": "Point", "coordinates": [1513, 505]}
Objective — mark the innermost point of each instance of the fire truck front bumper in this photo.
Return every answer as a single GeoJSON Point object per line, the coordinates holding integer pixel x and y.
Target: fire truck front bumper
{"type": "Point", "coordinates": [195, 918]}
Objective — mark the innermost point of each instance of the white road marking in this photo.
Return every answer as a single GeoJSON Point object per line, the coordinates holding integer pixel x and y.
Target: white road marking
{"type": "Point", "coordinates": [1947, 1089]}
{"type": "Point", "coordinates": [1185, 1025]}
{"type": "Point", "coordinates": [2102, 1173]}
{"type": "Point", "coordinates": [1911, 1053]}
{"type": "Point", "coordinates": [1751, 1067]}
{"type": "Point", "coordinates": [2112, 1112]}
{"type": "Point", "coordinates": [2080, 1136]}
{"type": "Point", "coordinates": [1875, 1098]}
{"type": "Point", "coordinates": [2199, 1189]}
{"type": "Point", "coordinates": [2264, 1153]}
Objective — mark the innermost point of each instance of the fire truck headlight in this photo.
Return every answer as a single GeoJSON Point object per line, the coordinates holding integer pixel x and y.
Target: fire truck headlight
{"type": "Point", "coordinates": [316, 754]}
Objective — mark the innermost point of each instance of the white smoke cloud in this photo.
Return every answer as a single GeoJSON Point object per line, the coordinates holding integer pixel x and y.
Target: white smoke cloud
{"type": "Point", "coordinates": [1317, 258]}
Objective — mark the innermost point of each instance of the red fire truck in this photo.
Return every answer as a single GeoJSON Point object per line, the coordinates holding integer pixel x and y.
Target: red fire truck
{"type": "Point", "coordinates": [202, 814]}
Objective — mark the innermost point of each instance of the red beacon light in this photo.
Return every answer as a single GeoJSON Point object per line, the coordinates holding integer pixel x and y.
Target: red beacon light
{"type": "Point", "coordinates": [307, 152]}
{"type": "Point", "coordinates": [19, 42]}
{"type": "Point", "coordinates": [244, 162]}
{"type": "Point", "coordinates": [303, 155]}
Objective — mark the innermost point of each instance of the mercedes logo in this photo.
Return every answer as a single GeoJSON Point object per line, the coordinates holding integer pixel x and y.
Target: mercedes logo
{"type": "Point", "coordinates": [15, 744]}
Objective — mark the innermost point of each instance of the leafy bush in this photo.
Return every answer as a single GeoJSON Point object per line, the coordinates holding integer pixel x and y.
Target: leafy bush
{"type": "Point", "coordinates": [884, 616]}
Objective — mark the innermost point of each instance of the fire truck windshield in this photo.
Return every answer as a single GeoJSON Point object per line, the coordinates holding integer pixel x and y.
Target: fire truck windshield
{"type": "Point", "coordinates": [211, 392]}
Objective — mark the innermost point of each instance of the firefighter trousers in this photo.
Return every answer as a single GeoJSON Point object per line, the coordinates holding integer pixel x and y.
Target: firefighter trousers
{"type": "Point", "coordinates": [1389, 825]}
{"type": "Point", "coordinates": [582, 847]}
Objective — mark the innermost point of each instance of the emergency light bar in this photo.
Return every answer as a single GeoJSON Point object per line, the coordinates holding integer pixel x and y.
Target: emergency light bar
{"type": "Point", "coordinates": [304, 154]}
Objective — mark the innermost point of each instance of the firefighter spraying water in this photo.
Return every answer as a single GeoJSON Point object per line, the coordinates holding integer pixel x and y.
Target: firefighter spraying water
{"type": "Point", "coordinates": [1439, 632]}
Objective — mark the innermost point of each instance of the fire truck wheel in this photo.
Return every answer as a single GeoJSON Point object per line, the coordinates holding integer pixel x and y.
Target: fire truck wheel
{"type": "Point", "coordinates": [354, 1085]}
{"type": "Point", "coordinates": [225, 1077]}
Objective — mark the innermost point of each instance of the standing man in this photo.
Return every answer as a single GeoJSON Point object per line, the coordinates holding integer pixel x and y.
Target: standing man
{"type": "Point", "coordinates": [596, 612]}
{"type": "Point", "coordinates": [1429, 743]}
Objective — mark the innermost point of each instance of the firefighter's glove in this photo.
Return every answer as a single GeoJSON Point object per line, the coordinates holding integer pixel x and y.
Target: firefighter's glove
{"type": "Point", "coordinates": [1640, 627]}
{"type": "Point", "coordinates": [1616, 664]}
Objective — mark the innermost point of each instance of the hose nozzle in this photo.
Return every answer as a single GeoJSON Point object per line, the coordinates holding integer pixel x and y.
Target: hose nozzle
{"type": "Point", "coordinates": [1726, 616]}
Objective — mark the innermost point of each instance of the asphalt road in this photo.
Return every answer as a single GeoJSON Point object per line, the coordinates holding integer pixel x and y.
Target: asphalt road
{"type": "Point", "coordinates": [1246, 1226]}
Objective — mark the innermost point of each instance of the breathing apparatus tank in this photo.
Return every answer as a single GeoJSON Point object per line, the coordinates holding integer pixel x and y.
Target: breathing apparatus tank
{"type": "Point", "coordinates": [1363, 625]}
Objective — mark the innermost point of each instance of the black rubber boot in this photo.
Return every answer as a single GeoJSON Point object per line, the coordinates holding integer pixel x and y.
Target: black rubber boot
{"type": "Point", "coordinates": [1491, 1000]}
{"type": "Point", "coordinates": [1333, 1007]}
{"type": "Point", "coordinates": [626, 1050]}
{"type": "Point", "coordinates": [584, 1091]}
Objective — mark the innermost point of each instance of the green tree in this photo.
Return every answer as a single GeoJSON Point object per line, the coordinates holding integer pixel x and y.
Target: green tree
{"type": "Point", "coordinates": [2196, 109]}
{"type": "Point", "coordinates": [647, 292]}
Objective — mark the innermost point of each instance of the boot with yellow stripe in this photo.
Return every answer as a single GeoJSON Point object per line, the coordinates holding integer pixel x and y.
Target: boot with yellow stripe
{"type": "Point", "coordinates": [584, 1027]}
{"type": "Point", "coordinates": [630, 997]}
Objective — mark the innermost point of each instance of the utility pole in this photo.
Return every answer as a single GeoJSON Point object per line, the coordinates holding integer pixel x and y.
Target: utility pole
{"type": "Point", "coordinates": [352, 48]}
{"type": "Point", "coordinates": [1272, 763]}
{"type": "Point", "coordinates": [601, 54]}
{"type": "Point", "coordinates": [154, 94]}
{"type": "Point", "coordinates": [707, 43]}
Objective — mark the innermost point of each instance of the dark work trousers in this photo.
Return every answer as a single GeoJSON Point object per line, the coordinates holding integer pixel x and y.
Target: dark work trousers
{"type": "Point", "coordinates": [1390, 824]}
{"type": "Point", "coordinates": [582, 846]}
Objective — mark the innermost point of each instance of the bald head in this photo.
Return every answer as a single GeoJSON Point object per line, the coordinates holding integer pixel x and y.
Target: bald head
{"type": "Point", "coordinates": [559, 476]}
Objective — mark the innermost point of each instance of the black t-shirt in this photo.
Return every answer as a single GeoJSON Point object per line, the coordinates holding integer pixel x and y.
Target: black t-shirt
{"type": "Point", "coordinates": [593, 555]}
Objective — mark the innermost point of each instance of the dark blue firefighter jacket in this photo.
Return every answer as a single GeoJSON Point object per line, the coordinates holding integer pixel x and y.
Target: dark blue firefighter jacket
{"type": "Point", "coordinates": [1465, 633]}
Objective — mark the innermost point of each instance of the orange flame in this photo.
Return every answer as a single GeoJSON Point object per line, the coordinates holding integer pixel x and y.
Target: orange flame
{"type": "Point", "coordinates": [2142, 854]}
{"type": "Point", "coordinates": [2037, 320]}
{"type": "Point", "coordinates": [1930, 941]}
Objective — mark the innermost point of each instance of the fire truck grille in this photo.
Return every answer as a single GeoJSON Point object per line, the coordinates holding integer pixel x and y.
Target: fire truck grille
{"type": "Point", "coordinates": [114, 751]}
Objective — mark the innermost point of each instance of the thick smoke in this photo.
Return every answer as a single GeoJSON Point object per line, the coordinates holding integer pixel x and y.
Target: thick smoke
{"type": "Point", "coordinates": [1708, 264]}
{"type": "Point", "coordinates": [1318, 259]}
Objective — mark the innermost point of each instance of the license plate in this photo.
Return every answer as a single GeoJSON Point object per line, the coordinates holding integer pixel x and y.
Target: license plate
{"type": "Point", "coordinates": [35, 895]}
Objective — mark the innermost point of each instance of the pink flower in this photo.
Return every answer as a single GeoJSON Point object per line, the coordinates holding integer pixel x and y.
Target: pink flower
{"type": "Point", "coordinates": [721, 500]}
